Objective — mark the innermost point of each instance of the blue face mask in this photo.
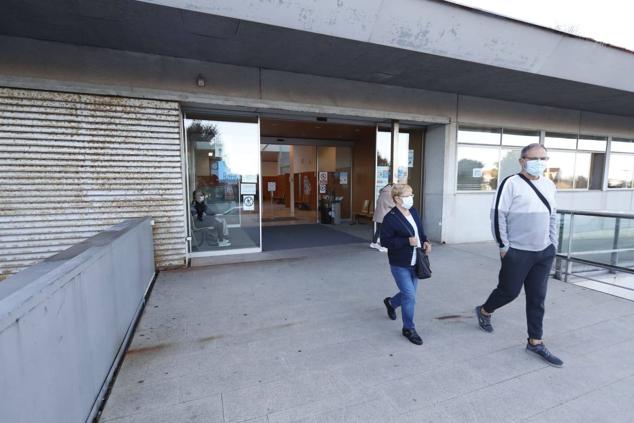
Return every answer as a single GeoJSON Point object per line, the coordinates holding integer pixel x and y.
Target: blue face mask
{"type": "Point", "coordinates": [535, 167]}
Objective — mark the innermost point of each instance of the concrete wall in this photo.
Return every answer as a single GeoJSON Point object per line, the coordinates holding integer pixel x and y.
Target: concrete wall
{"type": "Point", "coordinates": [64, 67]}
{"type": "Point", "coordinates": [434, 180]}
{"type": "Point", "coordinates": [63, 323]}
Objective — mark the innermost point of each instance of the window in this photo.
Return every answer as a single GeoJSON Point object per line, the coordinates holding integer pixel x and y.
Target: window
{"type": "Point", "coordinates": [575, 162]}
{"type": "Point", "coordinates": [486, 156]}
{"type": "Point", "coordinates": [224, 165]}
{"type": "Point", "coordinates": [621, 168]}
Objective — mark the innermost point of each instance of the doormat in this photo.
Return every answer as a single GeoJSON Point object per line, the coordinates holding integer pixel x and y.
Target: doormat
{"type": "Point", "coordinates": [278, 219]}
{"type": "Point", "coordinates": [304, 236]}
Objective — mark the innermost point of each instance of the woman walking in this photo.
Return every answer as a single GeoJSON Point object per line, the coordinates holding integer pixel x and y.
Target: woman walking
{"type": "Point", "coordinates": [384, 204]}
{"type": "Point", "coordinates": [401, 233]}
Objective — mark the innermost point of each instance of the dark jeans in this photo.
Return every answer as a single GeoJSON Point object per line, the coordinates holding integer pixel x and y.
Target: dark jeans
{"type": "Point", "coordinates": [530, 269]}
{"type": "Point", "coordinates": [377, 232]}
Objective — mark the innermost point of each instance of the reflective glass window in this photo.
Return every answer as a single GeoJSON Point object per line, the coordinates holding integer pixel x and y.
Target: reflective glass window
{"type": "Point", "coordinates": [477, 168]}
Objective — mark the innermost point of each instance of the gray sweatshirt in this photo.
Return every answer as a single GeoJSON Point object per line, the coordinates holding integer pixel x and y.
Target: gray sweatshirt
{"type": "Point", "coordinates": [523, 221]}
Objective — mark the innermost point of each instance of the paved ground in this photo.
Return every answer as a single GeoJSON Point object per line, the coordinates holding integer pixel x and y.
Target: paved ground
{"type": "Point", "coordinates": [306, 339]}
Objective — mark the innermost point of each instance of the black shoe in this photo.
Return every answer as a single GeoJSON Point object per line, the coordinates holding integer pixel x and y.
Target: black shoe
{"type": "Point", "coordinates": [483, 320]}
{"type": "Point", "coordinates": [391, 313]}
{"type": "Point", "coordinates": [547, 356]}
{"type": "Point", "coordinates": [412, 336]}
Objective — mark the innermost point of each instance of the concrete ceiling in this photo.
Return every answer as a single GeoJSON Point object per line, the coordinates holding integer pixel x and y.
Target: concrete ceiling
{"type": "Point", "coordinates": [142, 27]}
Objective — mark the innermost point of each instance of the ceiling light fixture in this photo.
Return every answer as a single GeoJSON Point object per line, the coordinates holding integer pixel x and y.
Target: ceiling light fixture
{"type": "Point", "coordinates": [200, 81]}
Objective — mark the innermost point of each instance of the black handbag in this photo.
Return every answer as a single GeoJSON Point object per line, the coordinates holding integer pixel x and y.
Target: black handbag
{"type": "Point", "coordinates": [422, 268]}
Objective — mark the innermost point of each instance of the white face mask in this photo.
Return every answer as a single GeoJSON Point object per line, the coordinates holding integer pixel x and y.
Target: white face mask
{"type": "Point", "coordinates": [408, 202]}
{"type": "Point", "coordinates": [535, 167]}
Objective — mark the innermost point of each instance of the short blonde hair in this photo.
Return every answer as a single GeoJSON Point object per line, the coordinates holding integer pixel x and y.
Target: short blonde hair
{"type": "Point", "coordinates": [399, 189]}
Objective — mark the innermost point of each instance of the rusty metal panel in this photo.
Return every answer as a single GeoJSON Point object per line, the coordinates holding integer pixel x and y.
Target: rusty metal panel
{"type": "Point", "coordinates": [72, 165]}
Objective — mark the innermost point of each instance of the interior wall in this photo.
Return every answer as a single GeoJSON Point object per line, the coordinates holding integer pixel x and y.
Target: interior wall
{"type": "Point", "coordinates": [327, 159]}
{"type": "Point", "coordinates": [304, 157]}
{"type": "Point", "coordinates": [269, 168]}
{"type": "Point", "coordinates": [363, 162]}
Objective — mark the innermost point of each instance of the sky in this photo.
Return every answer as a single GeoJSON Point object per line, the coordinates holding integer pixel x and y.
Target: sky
{"type": "Point", "coordinates": [608, 21]}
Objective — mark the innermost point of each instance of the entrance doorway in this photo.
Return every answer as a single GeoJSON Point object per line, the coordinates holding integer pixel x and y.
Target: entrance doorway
{"type": "Point", "coordinates": [308, 180]}
{"type": "Point", "coordinates": [259, 183]}
{"type": "Point", "coordinates": [289, 181]}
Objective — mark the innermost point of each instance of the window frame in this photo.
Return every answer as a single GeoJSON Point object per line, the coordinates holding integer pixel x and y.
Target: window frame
{"type": "Point", "coordinates": [576, 150]}
{"type": "Point", "coordinates": [608, 160]}
{"type": "Point", "coordinates": [500, 146]}
{"type": "Point", "coordinates": [542, 136]}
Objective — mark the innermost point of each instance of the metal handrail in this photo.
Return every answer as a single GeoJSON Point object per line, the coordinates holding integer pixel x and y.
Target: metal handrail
{"type": "Point", "coordinates": [597, 213]}
{"type": "Point", "coordinates": [565, 269]}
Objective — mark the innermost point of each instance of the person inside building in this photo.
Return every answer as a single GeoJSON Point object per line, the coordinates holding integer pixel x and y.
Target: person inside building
{"type": "Point", "coordinates": [207, 219]}
{"type": "Point", "coordinates": [402, 232]}
{"type": "Point", "coordinates": [384, 204]}
{"type": "Point", "coordinates": [524, 223]}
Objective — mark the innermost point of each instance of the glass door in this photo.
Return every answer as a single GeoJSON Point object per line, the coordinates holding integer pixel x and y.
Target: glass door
{"type": "Point", "coordinates": [223, 161]}
{"type": "Point", "coordinates": [335, 193]}
{"type": "Point", "coordinates": [383, 161]}
{"type": "Point", "coordinates": [289, 181]}
{"type": "Point", "coordinates": [399, 158]}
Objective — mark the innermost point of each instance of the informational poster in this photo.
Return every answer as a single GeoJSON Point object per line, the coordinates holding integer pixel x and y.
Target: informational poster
{"type": "Point", "coordinates": [477, 172]}
{"type": "Point", "coordinates": [343, 178]}
{"type": "Point", "coordinates": [322, 188]}
{"type": "Point", "coordinates": [307, 185]}
{"type": "Point", "coordinates": [382, 176]}
{"type": "Point", "coordinates": [251, 179]}
{"type": "Point", "coordinates": [410, 158]}
{"type": "Point", "coordinates": [271, 187]}
{"type": "Point", "coordinates": [248, 189]}
{"type": "Point", "coordinates": [323, 177]}
{"type": "Point", "coordinates": [401, 175]}
{"type": "Point", "coordinates": [248, 202]}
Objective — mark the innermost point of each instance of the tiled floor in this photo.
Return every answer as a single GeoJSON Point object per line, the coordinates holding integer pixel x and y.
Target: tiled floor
{"type": "Point", "coordinates": [306, 339]}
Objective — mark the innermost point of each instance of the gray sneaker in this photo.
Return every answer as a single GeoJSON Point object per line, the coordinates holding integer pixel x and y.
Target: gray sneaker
{"type": "Point", "coordinates": [483, 320]}
{"type": "Point", "coordinates": [547, 356]}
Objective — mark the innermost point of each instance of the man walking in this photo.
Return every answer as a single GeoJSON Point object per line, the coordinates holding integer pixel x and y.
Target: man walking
{"type": "Point", "coordinates": [524, 224]}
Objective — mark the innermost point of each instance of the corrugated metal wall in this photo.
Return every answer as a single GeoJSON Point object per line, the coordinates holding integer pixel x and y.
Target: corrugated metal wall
{"type": "Point", "coordinates": [72, 165]}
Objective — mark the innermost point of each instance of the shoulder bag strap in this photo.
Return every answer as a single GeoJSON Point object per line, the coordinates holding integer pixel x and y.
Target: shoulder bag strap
{"type": "Point", "coordinates": [496, 219]}
{"type": "Point", "coordinates": [539, 194]}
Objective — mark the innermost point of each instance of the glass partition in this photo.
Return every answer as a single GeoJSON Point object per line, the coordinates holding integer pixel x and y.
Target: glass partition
{"type": "Point", "coordinates": [383, 160]}
{"type": "Point", "coordinates": [335, 171]}
{"type": "Point", "coordinates": [602, 239]}
{"type": "Point", "coordinates": [223, 157]}
{"type": "Point", "coordinates": [402, 158]}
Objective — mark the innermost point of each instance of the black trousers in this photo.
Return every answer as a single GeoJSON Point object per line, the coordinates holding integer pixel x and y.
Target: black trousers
{"type": "Point", "coordinates": [529, 269]}
{"type": "Point", "coordinates": [377, 233]}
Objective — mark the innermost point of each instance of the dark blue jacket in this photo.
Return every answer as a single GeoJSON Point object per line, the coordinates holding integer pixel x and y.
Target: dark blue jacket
{"type": "Point", "coordinates": [395, 233]}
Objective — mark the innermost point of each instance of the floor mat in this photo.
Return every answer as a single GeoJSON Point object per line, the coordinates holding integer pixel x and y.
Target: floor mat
{"type": "Point", "coordinates": [304, 236]}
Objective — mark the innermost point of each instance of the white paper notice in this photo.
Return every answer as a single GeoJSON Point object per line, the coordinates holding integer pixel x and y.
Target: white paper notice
{"type": "Point", "coordinates": [248, 189]}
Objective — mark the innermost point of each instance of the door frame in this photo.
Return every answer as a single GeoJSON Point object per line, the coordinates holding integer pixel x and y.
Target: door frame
{"type": "Point", "coordinates": [186, 166]}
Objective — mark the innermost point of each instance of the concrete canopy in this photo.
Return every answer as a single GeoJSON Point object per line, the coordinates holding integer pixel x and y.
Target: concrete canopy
{"type": "Point", "coordinates": [423, 44]}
